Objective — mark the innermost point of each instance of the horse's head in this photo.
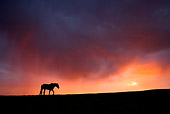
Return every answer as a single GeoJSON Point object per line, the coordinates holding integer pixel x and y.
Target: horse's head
{"type": "Point", "coordinates": [56, 85]}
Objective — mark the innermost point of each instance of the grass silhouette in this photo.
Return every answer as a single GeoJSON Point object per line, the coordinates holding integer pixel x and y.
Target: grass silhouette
{"type": "Point", "coordinates": [112, 103]}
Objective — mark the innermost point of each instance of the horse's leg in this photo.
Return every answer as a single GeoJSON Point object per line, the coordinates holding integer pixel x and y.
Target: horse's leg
{"type": "Point", "coordinates": [44, 91]}
{"type": "Point", "coordinates": [49, 92]}
{"type": "Point", "coordinates": [40, 92]}
{"type": "Point", "coordinates": [53, 92]}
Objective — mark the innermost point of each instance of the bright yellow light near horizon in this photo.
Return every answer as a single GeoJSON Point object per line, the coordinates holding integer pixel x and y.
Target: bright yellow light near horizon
{"type": "Point", "coordinates": [132, 83]}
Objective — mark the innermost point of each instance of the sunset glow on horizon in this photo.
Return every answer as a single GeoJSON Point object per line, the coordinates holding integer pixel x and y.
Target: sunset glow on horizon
{"type": "Point", "coordinates": [87, 46]}
{"type": "Point", "coordinates": [135, 77]}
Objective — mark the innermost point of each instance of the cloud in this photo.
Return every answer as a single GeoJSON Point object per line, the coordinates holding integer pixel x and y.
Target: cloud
{"type": "Point", "coordinates": [82, 38]}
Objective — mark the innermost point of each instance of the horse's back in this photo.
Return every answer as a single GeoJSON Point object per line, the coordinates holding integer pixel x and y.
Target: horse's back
{"type": "Point", "coordinates": [44, 85]}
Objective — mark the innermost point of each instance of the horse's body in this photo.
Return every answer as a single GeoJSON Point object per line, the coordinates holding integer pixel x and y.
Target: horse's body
{"type": "Point", "coordinates": [49, 87]}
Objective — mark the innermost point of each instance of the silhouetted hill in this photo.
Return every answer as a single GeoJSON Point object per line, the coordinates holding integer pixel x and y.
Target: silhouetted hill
{"type": "Point", "coordinates": [150, 101]}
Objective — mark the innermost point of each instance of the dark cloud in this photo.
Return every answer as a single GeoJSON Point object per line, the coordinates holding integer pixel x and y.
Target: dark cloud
{"type": "Point", "coordinates": [82, 38]}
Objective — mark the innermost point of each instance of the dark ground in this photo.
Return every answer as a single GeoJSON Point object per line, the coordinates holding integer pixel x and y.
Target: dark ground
{"type": "Point", "coordinates": [152, 101]}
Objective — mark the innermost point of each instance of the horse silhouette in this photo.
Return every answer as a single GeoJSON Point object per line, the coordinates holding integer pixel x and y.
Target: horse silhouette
{"type": "Point", "coordinates": [49, 87]}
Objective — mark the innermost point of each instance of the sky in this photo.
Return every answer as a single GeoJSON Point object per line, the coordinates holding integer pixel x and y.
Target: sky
{"type": "Point", "coordinates": [86, 46]}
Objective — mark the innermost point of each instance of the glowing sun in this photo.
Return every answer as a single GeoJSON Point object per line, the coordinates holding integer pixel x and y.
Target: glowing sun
{"type": "Point", "coordinates": [132, 83]}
